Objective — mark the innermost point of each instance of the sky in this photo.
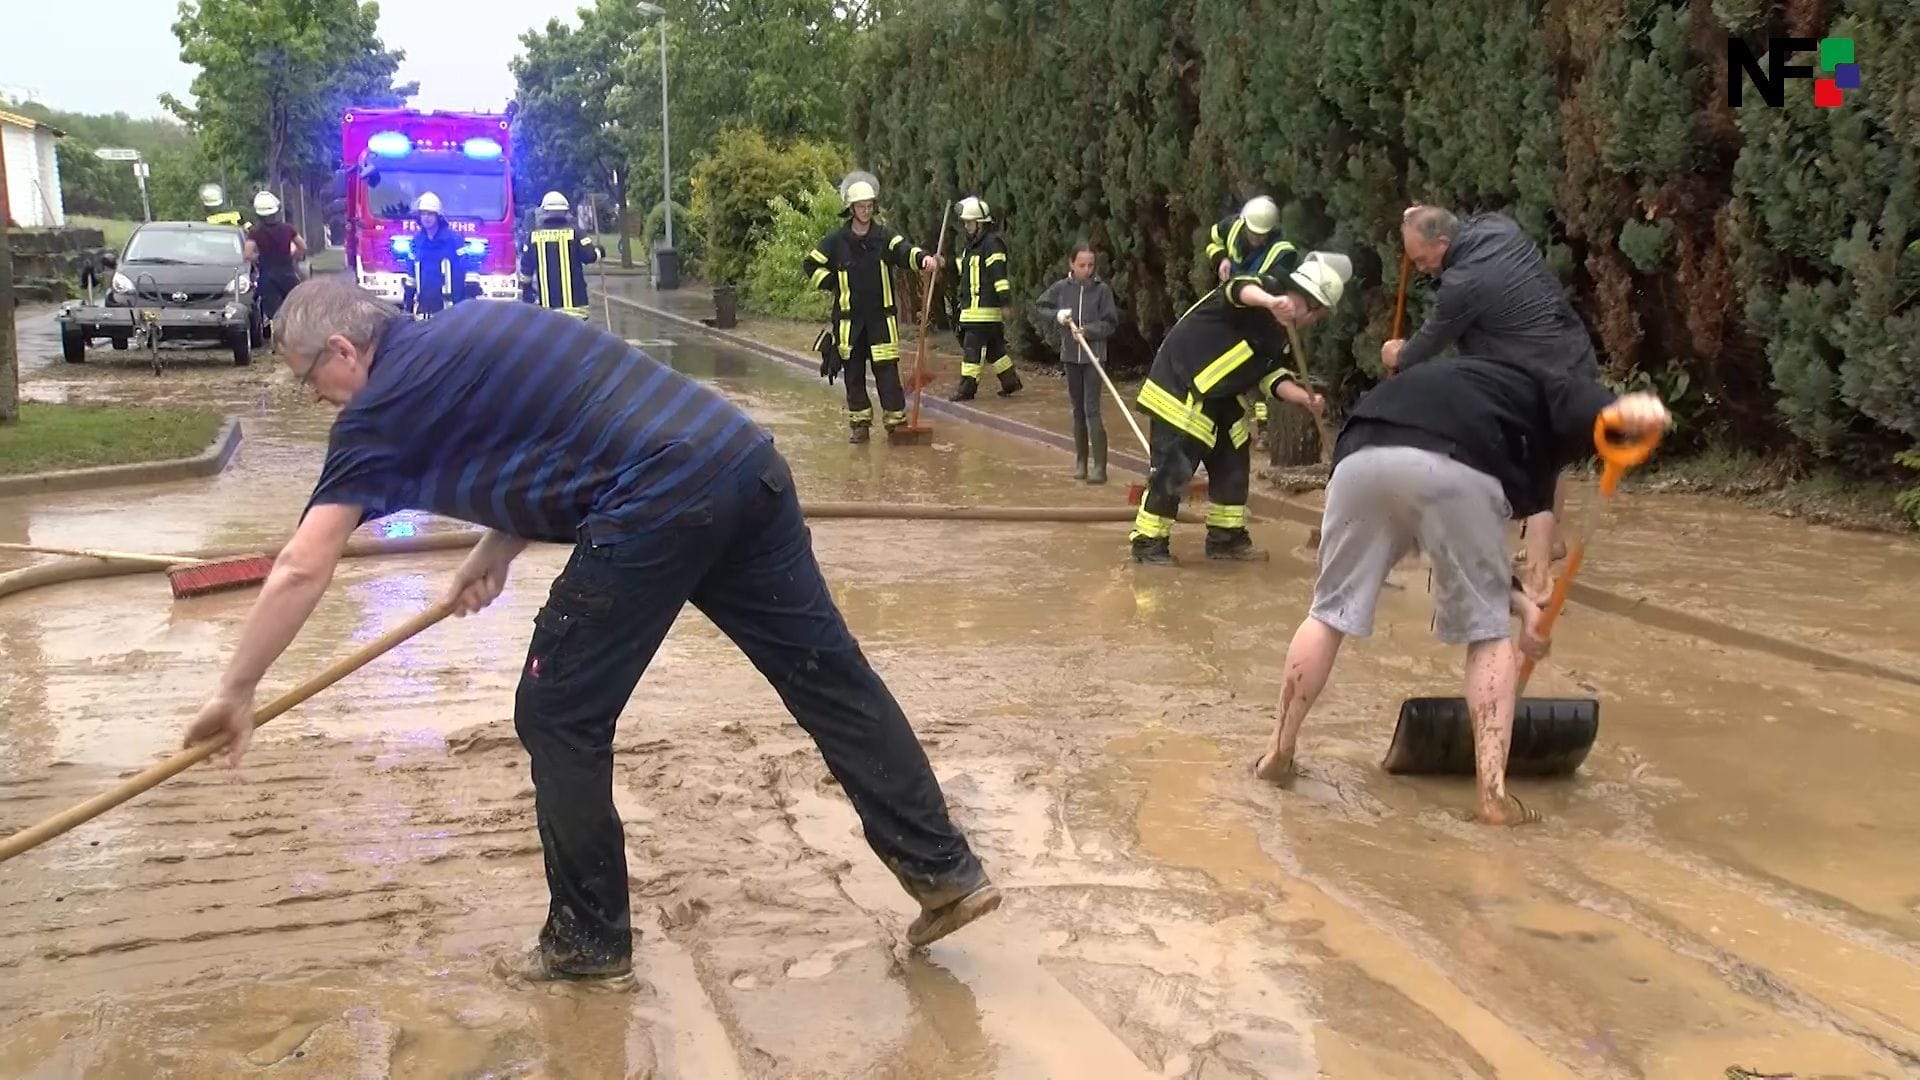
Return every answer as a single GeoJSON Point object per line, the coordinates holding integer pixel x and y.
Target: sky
{"type": "Point", "coordinates": [121, 56]}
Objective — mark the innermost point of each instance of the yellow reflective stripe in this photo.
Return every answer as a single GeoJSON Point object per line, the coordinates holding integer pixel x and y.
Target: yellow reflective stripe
{"type": "Point", "coordinates": [1233, 238]}
{"type": "Point", "coordinates": [1148, 525]}
{"type": "Point", "coordinates": [998, 256]}
{"type": "Point", "coordinates": [982, 315]}
{"type": "Point", "coordinates": [1238, 433]}
{"type": "Point", "coordinates": [818, 277]}
{"type": "Point", "coordinates": [886, 287]}
{"type": "Point", "coordinates": [540, 273]}
{"type": "Point", "coordinates": [1270, 384]}
{"type": "Point", "coordinates": [818, 256]}
{"type": "Point", "coordinates": [1215, 247]}
{"type": "Point", "coordinates": [970, 369]}
{"type": "Point", "coordinates": [1003, 365]}
{"type": "Point", "coordinates": [973, 279]}
{"type": "Point", "coordinates": [1185, 415]}
{"type": "Point", "coordinates": [844, 346]}
{"type": "Point", "coordinates": [1227, 517]}
{"type": "Point", "coordinates": [1003, 285]}
{"type": "Point", "coordinates": [1260, 410]}
{"type": "Point", "coordinates": [861, 416]}
{"type": "Point", "coordinates": [1274, 250]}
{"type": "Point", "coordinates": [893, 329]}
{"type": "Point", "coordinates": [846, 295]}
{"type": "Point", "coordinates": [894, 416]}
{"type": "Point", "coordinates": [1222, 366]}
{"type": "Point", "coordinates": [896, 241]}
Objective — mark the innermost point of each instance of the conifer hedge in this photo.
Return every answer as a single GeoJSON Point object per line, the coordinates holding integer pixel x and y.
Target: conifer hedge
{"type": "Point", "coordinates": [1760, 267]}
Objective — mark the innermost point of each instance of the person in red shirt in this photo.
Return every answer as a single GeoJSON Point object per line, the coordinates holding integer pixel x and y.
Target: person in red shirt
{"type": "Point", "coordinates": [275, 249]}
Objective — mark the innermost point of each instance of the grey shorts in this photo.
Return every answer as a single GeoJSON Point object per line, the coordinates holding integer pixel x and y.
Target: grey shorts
{"type": "Point", "coordinates": [1383, 502]}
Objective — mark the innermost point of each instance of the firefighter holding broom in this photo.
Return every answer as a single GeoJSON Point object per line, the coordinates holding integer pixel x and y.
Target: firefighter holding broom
{"type": "Point", "coordinates": [853, 265]}
{"type": "Point", "coordinates": [985, 294]}
{"type": "Point", "coordinates": [1438, 457]}
{"type": "Point", "coordinates": [1249, 243]}
{"type": "Point", "coordinates": [1233, 341]}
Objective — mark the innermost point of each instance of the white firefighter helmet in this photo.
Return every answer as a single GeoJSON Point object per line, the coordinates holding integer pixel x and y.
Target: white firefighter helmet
{"type": "Point", "coordinates": [265, 204]}
{"type": "Point", "coordinates": [859, 187]}
{"type": "Point", "coordinates": [553, 203]}
{"type": "Point", "coordinates": [1323, 275]}
{"type": "Point", "coordinates": [1261, 214]}
{"type": "Point", "coordinates": [211, 195]}
{"type": "Point", "coordinates": [974, 208]}
{"type": "Point", "coordinates": [427, 203]}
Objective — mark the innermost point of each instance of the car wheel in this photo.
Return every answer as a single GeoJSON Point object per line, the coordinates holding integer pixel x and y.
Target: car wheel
{"type": "Point", "coordinates": [119, 342]}
{"type": "Point", "coordinates": [73, 345]}
{"type": "Point", "coordinates": [256, 330]}
{"type": "Point", "coordinates": [242, 341]}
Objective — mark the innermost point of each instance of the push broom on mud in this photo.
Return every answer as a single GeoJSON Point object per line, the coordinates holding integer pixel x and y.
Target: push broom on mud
{"type": "Point", "coordinates": [913, 432]}
{"type": "Point", "coordinates": [188, 577]}
{"type": "Point", "coordinates": [1551, 736]}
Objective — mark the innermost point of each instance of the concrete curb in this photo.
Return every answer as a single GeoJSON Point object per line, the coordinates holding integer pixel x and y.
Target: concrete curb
{"type": "Point", "coordinates": [1627, 607]}
{"type": "Point", "coordinates": [207, 463]}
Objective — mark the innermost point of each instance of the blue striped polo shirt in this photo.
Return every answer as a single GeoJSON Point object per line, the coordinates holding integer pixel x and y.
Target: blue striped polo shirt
{"type": "Point", "coordinates": [531, 422]}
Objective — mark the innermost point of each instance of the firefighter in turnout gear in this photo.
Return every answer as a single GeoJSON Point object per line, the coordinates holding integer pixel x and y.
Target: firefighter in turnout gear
{"type": "Point", "coordinates": [212, 196]}
{"type": "Point", "coordinates": [984, 296]}
{"type": "Point", "coordinates": [553, 262]}
{"type": "Point", "coordinates": [853, 265]}
{"type": "Point", "coordinates": [1247, 243]}
{"type": "Point", "coordinates": [436, 261]}
{"type": "Point", "coordinates": [1233, 341]}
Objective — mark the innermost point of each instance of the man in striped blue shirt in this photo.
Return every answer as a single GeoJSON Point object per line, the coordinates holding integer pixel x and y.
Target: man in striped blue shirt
{"type": "Point", "coordinates": [542, 427]}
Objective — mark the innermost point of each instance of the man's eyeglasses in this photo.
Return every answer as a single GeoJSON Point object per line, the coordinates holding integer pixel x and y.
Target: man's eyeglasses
{"type": "Point", "coordinates": [306, 377]}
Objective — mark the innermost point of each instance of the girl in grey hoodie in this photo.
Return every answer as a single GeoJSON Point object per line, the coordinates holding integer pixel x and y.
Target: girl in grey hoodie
{"type": "Point", "coordinates": [1088, 302]}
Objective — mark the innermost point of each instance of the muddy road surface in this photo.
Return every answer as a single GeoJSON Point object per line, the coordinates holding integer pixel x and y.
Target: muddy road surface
{"type": "Point", "coordinates": [1731, 880]}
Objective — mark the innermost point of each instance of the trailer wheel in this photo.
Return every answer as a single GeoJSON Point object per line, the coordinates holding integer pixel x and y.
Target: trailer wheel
{"type": "Point", "coordinates": [73, 344]}
{"type": "Point", "coordinates": [242, 343]}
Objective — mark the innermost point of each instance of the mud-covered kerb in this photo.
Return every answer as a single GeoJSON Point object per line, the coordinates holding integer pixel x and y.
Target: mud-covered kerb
{"type": "Point", "coordinates": [1640, 611]}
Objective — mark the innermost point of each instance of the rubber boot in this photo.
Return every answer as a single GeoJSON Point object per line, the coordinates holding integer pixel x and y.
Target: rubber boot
{"type": "Point", "coordinates": [968, 387]}
{"type": "Point", "coordinates": [1150, 551]}
{"type": "Point", "coordinates": [1010, 383]}
{"type": "Point", "coordinates": [860, 433]}
{"type": "Point", "coordinates": [1079, 449]}
{"type": "Point", "coordinates": [1232, 545]}
{"type": "Point", "coordinates": [1097, 468]}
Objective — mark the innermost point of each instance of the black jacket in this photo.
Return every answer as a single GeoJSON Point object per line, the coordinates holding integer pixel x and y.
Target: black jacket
{"type": "Point", "coordinates": [1514, 420]}
{"type": "Point", "coordinates": [1497, 299]}
{"type": "Point", "coordinates": [854, 270]}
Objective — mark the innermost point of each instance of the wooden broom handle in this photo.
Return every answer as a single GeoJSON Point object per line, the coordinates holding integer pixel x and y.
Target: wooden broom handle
{"type": "Point", "coordinates": [1400, 305]}
{"type": "Point", "coordinates": [111, 556]}
{"type": "Point", "coordinates": [29, 838]}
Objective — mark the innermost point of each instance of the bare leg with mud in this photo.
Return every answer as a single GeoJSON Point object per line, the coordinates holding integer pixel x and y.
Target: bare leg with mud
{"type": "Point", "coordinates": [1492, 681]}
{"type": "Point", "coordinates": [1310, 660]}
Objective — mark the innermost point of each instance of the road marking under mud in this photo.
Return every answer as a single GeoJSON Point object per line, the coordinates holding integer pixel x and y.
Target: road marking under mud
{"type": "Point", "coordinates": [1040, 1027]}
{"type": "Point", "coordinates": [1182, 824]}
{"type": "Point", "coordinates": [702, 1045]}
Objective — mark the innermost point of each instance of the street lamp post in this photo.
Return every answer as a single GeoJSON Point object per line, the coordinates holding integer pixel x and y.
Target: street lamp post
{"type": "Point", "coordinates": [666, 154]}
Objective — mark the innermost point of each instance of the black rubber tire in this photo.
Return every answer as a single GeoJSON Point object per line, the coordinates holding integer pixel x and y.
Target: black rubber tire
{"type": "Point", "coordinates": [73, 344]}
{"type": "Point", "coordinates": [1551, 737]}
{"type": "Point", "coordinates": [256, 330]}
{"type": "Point", "coordinates": [120, 341]}
{"type": "Point", "coordinates": [242, 342]}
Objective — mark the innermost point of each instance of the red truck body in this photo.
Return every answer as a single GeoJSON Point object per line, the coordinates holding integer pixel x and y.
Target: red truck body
{"type": "Point", "coordinates": [393, 156]}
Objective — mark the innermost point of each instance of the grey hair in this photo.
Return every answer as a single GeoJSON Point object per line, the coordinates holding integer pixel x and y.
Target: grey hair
{"type": "Point", "coordinates": [321, 307]}
{"type": "Point", "coordinates": [1433, 223]}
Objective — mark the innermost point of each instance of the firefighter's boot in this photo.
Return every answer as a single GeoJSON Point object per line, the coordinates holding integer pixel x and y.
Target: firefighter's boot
{"type": "Point", "coordinates": [1079, 449]}
{"type": "Point", "coordinates": [1097, 467]}
{"type": "Point", "coordinates": [1010, 383]}
{"type": "Point", "coordinates": [968, 387]}
{"type": "Point", "coordinates": [1232, 545]}
{"type": "Point", "coordinates": [1153, 550]}
{"type": "Point", "coordinates": [859, 433]}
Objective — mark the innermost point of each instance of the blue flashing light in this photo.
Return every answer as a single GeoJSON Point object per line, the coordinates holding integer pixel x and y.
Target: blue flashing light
{"type": "Point", "coordinates": [401, 245]}
{"type": "Point", "coordinates": [400, 528]}
{"type": "Point", "coordinates": [481, 148]}
{"type": "Point", "coordinates": [474, 246]}
{"type": "Point", "coordinates": [390, 144]}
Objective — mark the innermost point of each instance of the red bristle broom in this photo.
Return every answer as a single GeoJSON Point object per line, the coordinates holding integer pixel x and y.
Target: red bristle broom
{"type": "Point", "coordinates": [187, 576]}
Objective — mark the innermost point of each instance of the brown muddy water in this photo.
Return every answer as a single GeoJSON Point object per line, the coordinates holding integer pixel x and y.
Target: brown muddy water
{"type": "Point", "coordinates": [1731, 880]}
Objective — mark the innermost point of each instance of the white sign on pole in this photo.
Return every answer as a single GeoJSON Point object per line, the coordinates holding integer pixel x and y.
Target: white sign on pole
{"type": "Point", "coordinates": [141, 170]}
{"type": "Point", "coordinates": [109, 153]}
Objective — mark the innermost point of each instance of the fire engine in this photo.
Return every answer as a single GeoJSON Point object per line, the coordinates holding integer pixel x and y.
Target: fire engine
{"type": "Point", "coordinates": [392, 157]}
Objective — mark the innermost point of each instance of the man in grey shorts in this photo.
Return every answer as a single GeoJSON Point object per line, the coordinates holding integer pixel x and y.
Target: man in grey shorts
{"type": "Point", "coordinates": [1495, 298]}
{"type": "Point", "coordinates": [1441, 458]}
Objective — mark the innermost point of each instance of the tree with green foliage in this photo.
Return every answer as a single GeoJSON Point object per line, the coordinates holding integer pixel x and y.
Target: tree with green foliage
{"type": "Point", "coordinates": [735, 185]}
{"type": "Point", "coordinates": [99, 188]}
{"type": "Point", "coordinates": [773, 282]}
{"type": "Point", "coordinates": [275, 77]}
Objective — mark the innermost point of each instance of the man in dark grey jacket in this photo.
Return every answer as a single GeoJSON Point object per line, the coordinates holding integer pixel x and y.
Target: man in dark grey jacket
{"type": "Point", "coordinates": [1085, 300]}
{"type": "Point", "coordinates": [1496, 299]}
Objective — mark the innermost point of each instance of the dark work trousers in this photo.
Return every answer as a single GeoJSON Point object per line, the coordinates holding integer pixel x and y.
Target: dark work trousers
{"type": "Point", "coordinates": [1177, 456]}
{"type": "Point", "coordinates": [744, 557]}
{"type": "Point", "coordinates": [886, 379]}
{"type": "Point", "coordinates": [274, 288]}
{"type": "Point", "coordinates": [1084, 391]}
